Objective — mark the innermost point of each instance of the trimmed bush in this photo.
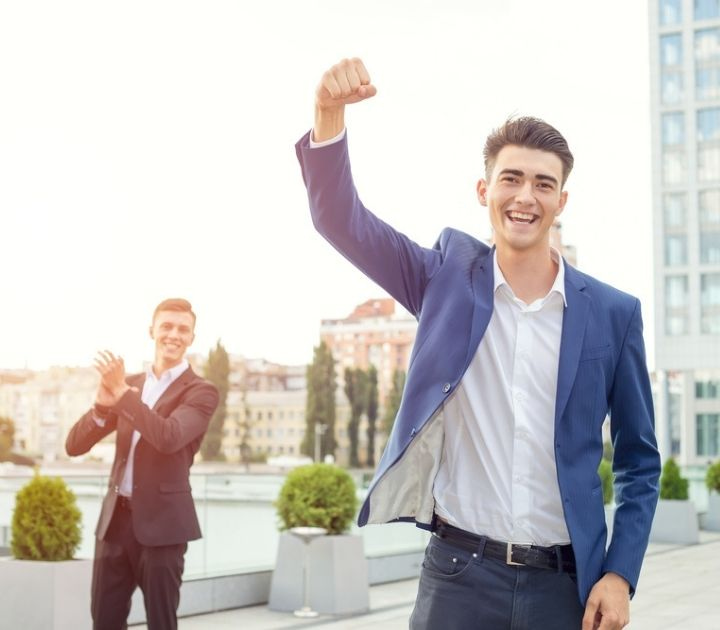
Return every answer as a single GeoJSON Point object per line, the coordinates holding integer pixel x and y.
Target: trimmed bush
{"type": "Point", "coordinates": [607, 478]}
{"type": "Point", "coordinates": [673, 485]}
{"type": "Point", "coordinates": [317, 495]}
{"type": "Point", "coordinates": [712, 477]}
{"type": "Point", "coordinates": [46, 521]}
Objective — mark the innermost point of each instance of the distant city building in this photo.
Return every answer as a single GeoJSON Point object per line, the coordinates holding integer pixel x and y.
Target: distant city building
{"type": "Point", "coordinates": [44, 405]}
{"type": "Point", "coordinates": [685, 101]}
{"type": "Point", "coordinates": [378, 333]}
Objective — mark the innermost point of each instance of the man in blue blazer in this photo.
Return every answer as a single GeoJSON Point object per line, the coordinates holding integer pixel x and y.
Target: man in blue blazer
{"type": "Point", "coordinates": [517, 362]}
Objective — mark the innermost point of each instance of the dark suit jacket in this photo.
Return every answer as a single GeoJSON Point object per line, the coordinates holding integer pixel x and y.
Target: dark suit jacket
{"type": "Point", "coordinates": [163, 511]}
{"type": "Point", "coordinates": [449, 288]}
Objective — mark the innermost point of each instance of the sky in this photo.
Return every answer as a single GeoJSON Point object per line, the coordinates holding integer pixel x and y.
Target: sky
{"type": "Point", "coordinates": [146, 151]}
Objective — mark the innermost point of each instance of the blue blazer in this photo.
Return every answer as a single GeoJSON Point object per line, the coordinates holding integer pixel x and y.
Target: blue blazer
{"type": "Point", "coordinates": [449, 289]}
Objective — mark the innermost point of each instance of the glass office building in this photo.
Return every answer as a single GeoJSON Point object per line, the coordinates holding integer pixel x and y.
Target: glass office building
{"type": "Point", "coordinates": [685, 105]}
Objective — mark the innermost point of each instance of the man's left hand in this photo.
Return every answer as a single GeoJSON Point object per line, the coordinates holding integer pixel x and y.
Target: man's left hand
{"type": "Point", "coordinates": [112, 371]}
{"type": "Point", "coordinates": [608, 606]}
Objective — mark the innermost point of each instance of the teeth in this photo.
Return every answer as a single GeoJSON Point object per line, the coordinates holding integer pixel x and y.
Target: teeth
{"type": "Point", "coordinates": [522, 216]}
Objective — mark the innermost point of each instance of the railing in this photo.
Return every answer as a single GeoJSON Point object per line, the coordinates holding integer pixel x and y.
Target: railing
{"type": "Point", "coordinates": [237, 518]}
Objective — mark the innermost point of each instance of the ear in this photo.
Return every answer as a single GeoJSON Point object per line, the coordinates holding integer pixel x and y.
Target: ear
{"type": "Point", "coordinates": [482, 188]}
{"type": "Point", "coordinates": [561, 204]}
{"type": "Point", "coordinates": [150, 330]}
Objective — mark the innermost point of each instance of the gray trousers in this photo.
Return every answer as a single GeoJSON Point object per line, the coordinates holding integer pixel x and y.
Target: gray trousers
{"type": "Point", "coordinates": [460, 592]}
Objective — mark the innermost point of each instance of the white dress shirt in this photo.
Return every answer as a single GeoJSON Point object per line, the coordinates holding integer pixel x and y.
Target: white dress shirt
{"type": "Point", "coordinates": [153, 388]}
{"type": "Point", "coordinates": [497, 475]}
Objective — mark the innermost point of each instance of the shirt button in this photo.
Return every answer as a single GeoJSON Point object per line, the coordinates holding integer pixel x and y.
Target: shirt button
{"type": "Point", "coordinates": [446, 388]}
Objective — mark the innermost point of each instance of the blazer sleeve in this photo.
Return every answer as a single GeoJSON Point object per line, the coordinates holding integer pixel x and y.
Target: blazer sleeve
{"type": "Point", "coordinates": [388, 257]}
{"type": "Point", "coordinates": [86, 432]}
{"type": "Point", "coordinates": [188, 421]}
{"type": "Point", "coordinates": [636, 461]}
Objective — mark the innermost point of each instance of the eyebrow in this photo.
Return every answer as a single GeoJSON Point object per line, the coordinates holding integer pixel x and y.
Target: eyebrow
{"type": "Point", "coordinates": [518, 173]}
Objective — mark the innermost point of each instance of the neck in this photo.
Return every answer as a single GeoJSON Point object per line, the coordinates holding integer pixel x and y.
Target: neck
{"type": "Point", "coordinates": [160, 367]}
{"type": "Point", "coordinates": [530, 274]}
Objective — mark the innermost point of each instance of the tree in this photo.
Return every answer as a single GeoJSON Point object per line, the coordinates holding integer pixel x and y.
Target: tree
{"type": "Point", "coordinates": [371, 409]}
{"type": "Point", "coordinates": [320, 403]}
{"type": "Point", "coordinates": [217, 371]}
{"type": "Point", "coordinates": [7, 437]}
{"type": "Point", "coordinates": [245, 426]}
{"type": "Point", "coordinates": [356, 392]}
{"type": "Point", "coordinates": [392, 404]}
{"type": "Point", "coordinates": [7, 440]}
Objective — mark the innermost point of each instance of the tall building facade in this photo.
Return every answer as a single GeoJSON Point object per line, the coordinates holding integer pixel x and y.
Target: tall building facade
{"type": "Point", "coordinates": [685, 107]}
{"type": "Point", "coordinates": [377, 333]}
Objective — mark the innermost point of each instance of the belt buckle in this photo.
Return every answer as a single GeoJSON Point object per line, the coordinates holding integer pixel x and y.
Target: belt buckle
{"type": "Point", "coordinates": [508, 555]}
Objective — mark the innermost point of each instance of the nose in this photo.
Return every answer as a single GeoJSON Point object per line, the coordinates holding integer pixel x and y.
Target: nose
{"type": "Point", "coordinates": [525, 194]}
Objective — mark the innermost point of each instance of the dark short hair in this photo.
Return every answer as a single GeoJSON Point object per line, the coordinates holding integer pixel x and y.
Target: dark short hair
{"type": "Point", "coordinates": [531, 133]}
{"type": "Point", "coordinates": [178, 305]}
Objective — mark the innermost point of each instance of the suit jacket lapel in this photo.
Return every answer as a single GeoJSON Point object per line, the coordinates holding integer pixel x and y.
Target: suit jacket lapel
{"type": "Point", "coordinates": [573, 332]}
{"type": "Point", "coordinates": [483, 281]}
{"type": "Point", "coordinates": [178, 385]}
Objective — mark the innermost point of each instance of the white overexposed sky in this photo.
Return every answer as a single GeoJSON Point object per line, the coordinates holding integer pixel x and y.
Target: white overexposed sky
{"type": "Point", "coordinates": [146, 151]}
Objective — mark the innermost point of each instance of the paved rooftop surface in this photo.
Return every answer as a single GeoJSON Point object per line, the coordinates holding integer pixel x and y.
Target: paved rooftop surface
{"type": "Point", "coordinates": [679, 588]}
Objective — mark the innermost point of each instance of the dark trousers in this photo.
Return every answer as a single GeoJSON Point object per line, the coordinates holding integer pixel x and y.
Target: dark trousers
{"type": "Point", "coordinates": [121, 565]}
{"type": "Point", "coordinates": [461, 592]}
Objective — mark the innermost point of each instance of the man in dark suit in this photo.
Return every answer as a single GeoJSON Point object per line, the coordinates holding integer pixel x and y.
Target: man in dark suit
{"type": "Point", "coordinates": [517, 361]}
{"type": "Point", "coordinates": [148, 515]}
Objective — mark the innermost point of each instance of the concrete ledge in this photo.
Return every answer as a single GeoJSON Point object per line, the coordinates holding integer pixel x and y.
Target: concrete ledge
{"type": "Point", "coordinates": [213, 594]}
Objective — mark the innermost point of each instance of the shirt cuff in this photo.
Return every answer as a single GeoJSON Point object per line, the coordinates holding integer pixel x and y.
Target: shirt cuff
{"type": "Point", "coordinates": [324, 143]}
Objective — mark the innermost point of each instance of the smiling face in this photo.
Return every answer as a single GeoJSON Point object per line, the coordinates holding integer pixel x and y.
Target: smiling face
{"type": "Point", "coordinates": [524, 196]}
{"type": "Point", "coordinates": [173, 333]}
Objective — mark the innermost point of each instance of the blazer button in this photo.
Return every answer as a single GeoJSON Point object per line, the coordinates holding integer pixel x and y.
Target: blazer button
{"type": "Point", "coordinates": [446, 388]}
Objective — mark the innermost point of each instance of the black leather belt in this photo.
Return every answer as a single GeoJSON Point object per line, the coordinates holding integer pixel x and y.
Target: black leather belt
{"type": "Point", "coordinates": [124, 502]}
{"type": "Point", "coordinates": [559, 557]}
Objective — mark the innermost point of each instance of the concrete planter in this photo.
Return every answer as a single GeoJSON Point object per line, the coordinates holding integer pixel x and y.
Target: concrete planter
{"type": "Point", "coordinates": [338, 576]}
{"type": "Point", "coordinates": [675, 522]}
{"type": "Point", "coordinates": [40, 595]}
{"type": "Point", "coordinates": [712, 517]}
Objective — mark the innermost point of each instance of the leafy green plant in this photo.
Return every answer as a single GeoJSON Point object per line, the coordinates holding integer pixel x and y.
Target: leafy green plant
{"type": "Point", "coordinates": [712, 477]}
{"type": "Point", "coordinates": [607, 478]}
{"type": "Point", "coordinates": [46, 521]}
{"type": "Point", "coordinates": [317, 495]}
{"type": "Point", "coordinates": [673, 485]}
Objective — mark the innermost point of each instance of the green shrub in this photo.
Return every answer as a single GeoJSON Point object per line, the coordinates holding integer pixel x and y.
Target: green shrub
{"type": "Point", "coordinates": [46, 521]}
{"type": "Point", "coordinates": [673, 485]}
{"type": "Point", "coordinates": [317, 495]}
{"type": "Point", "coordinates": [712, 478]}
{"type": "Point", "coordinates": [607, 478]}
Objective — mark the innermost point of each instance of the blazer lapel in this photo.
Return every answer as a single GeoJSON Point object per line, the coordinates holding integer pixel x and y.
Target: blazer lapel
{"type": "Point", "coordinates": [571, 341]}
{"type": "Point", "coordinates": [178, 385]}
{"type": "Point", "coordinates": [482, 281]}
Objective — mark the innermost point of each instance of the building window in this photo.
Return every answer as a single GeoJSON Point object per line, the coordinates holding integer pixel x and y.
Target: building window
{"type": "Point", "coordinates": [670, 11]}
{"type": "Point", "coordinates": [673, 129]}
{"type": "Point", "coordinates": [707, 63]}
{"type": "Point", "coordinates": [710, 247]}
{"type": "Point", "coordinates": [671, 75]}
{"type": "Point", "coordinates": [705, 9]}
{"type": "Point", "coordinates": [710, 303]}
{"type": "Point", "coordinates": [674, 209]}
{"type": "Point", "coordinates": [708, 134]}
{"type": "Point", "coordinates": [708, 434]}
{"type": "Point", "coordinates": [676, 300]}
{"type": "Point", "coordinates": [709, 208]}
{"type": "Point", "coordinates": [673, 140]}
{"type": "Point", "coordinates": [707, 389]}
{"type": "Point", "coordinates": [675, 250]}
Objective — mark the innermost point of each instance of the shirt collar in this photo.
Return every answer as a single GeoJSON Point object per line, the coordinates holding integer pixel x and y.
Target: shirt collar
{"type": "Point", "coordinates": [557, 287]}
{"type": "Point", "coordinates": [169, 375]}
